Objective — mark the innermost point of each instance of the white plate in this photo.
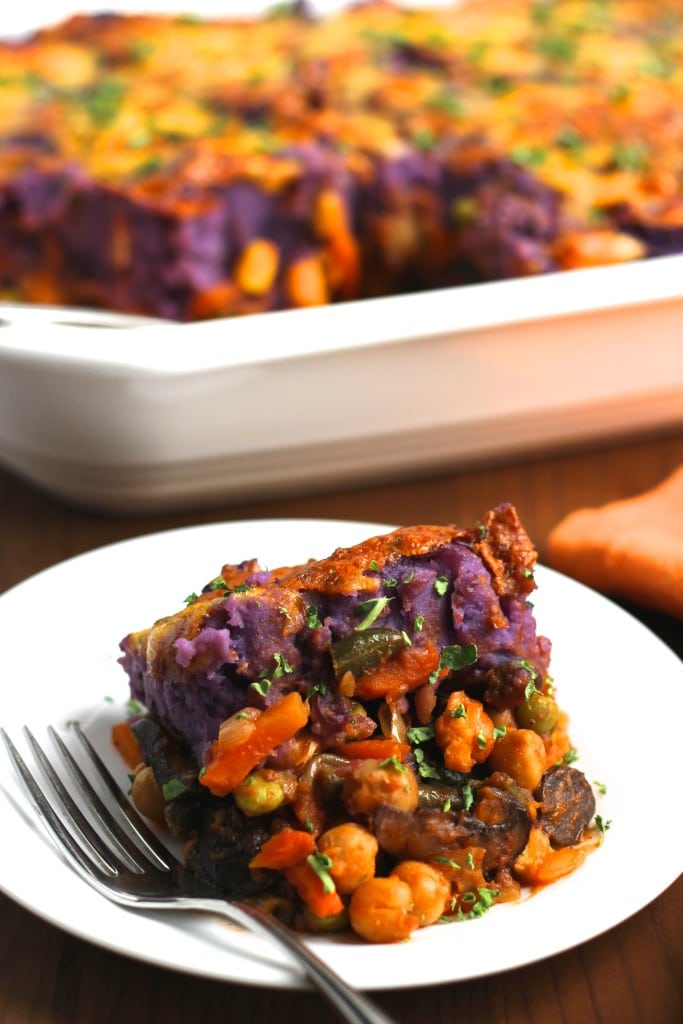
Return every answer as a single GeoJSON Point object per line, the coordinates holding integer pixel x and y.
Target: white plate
{"type": "Point", "coordinates": [59, 632]}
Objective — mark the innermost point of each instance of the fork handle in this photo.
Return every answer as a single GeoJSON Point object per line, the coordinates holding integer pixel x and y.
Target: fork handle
{"type": "Point", "coordinates": [353, 1006]}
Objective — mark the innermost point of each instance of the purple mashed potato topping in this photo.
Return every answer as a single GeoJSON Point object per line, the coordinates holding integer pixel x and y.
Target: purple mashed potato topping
{"type": "Point", "coordinates": [257, 643]}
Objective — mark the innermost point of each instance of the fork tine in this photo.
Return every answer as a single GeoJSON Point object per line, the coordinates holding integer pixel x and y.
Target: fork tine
{"type": "Point", "coordinates": [78, 820]}
{"type": "Point", "coordinates": [115, 833]}
{"type": "Point", "coordinates": [98, 858]}
{"type": "Point", "coordinates": [141, 832]}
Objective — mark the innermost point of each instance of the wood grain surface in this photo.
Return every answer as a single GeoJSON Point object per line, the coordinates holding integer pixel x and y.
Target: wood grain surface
{"type": "Point", "coordinates": [632, 974]}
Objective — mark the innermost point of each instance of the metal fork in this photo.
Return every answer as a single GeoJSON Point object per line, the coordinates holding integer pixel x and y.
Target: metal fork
{"type": "Point", "coordinates": [133, 869]}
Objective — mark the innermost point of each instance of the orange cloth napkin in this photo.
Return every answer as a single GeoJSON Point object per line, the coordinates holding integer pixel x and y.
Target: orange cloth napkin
{"type": "Point", "coordinates": [632, 548]}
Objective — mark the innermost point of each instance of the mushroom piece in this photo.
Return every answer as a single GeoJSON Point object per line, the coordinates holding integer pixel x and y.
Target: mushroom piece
{"type": "Point", "coordinates": [567, 804]}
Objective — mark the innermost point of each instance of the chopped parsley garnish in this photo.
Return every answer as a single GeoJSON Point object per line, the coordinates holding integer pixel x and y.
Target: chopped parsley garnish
{"type": "Point", "coordinates": [446, 101]}
{"type": "Point", "coordinates": [528, 156]}
{"type": "Point", "coordinates": [419, 623]}
{"type": "Point", "coordinates": [218, 583]}
{"type": "Point", "coordinates": [467, 797]}
{"type": "Point", "coordinates": [134, 707]}
{"type": "Point", "coordinates": [531, 686]}
{"type": "Point", "coordinates": [602, 825]}
{"type": "Point", "coordinates": [371, 610]}
{"type": "Point", "coordinates": [481, 740]}
{"type": "Point", "coordinates": [264, 683]}
{"type": "Point", "coordinates": [454, 657]}
{"type": "Point", "coordinates": [425, 770]}
{"type": "Point", "coordinates": [498, 731]}
{"type": "Point", "coordinates": [441, 585]}
{"type": "Point", "coordinates": [556, 47]}
{"type": "Point", "coordinates": [571, 140]}
{"type": "Point", "coordinates": [630, 156]}
{"type": "Point", "coordinates": [102, 102]}
{"type": "Point", "coordinates": [173, 788]}
{"type": "Point", "coordinates": [321, 864]}
{"type": "Point", "coordinates": [261, 686]}
{"type": "Point", "coordinates": [448, 862]}
{"type": "Point", "coordinates": [312, 617]}
{"type": "Point", "coordinates": [393, 762]}
{"type": "Point", "coordinates": [149, 166]}
{"type": "Point", "coordinates": [425, 139]}
{"type": "Point", "coordinates": [600, 786]}
{"type": "Point", "coordinates": [282, 666]}
{"type": "Point", "coordinates": [569, 757]}
{"type": "Point", "coordinates": [459, 712]}
{"type": "Point", "coordinates": [478, 900]}
{"type": "Point", "coordinates": [420, 733]}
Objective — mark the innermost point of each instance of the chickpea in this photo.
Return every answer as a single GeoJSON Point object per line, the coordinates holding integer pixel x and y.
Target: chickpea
{"type": "Point", "coordinates": [381, 910]}
{"type": "Point", "coordinates": [147, 796]}
{"type": "Point", "coordinates": [464, 732]}
{"type": "Point", "coordinates": [374, 783]}
{"type": "Point", "coordinates": [521, 754]}
{"type": "Point", "coordinates": [260, 793]}
{"type": "Point", "coordinates": [353, 851]}
{"type": "Point", "coordinates": [430, 888]}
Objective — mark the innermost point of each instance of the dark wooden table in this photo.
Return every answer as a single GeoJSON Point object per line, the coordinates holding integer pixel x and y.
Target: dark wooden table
{"type": "Point", "coordinates": [631, 975]}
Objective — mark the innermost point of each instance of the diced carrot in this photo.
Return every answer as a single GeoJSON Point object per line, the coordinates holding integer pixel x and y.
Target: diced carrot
{"type": "Point", "coordinates": [311, 890]}
{"type": "Point", "coordinates": [231, 762]}
{"type": "Point", "coordinates": [410, 668]}
{"type": "Point", "coordinates": [379, 749]}
{"type": "Point", "coordinates": [258, 266]}
{"type": "Point", "coordinates": [595, 248]}
{"type": "Point", "coordinates": [540, 864]}
{"type": "Point", "coordinates": [342, 264]}
{"type": "Point", "coordinates": [284, 850]}
{"type": "Point", "coordinates": [329, 215]}
{"type": "Point", "coordinates": [306, 282]}
{"type": "Point", "coordinates": [217, 300]}
{"type": "Point", "coordinates": [125, 741]}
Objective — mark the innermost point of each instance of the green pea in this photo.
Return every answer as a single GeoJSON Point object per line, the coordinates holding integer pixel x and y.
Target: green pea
{"type": "Point", "coordinates": [259, 794]}
{"type": "Point", "coordinates": [333, 923]}
{"type": "Point", "coordinates": [538, 712]}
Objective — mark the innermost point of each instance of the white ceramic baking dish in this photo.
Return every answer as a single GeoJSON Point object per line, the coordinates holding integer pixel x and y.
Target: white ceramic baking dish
{"type": "Point", "coordinates": [158, 415]}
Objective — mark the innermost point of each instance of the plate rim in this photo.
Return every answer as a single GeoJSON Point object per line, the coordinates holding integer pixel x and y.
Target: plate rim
{"type": "Point", "coordinates": [283, 978]}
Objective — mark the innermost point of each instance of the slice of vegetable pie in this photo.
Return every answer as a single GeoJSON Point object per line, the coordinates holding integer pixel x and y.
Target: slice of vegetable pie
{"type": "Point", "coordinates": [344, 737]}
